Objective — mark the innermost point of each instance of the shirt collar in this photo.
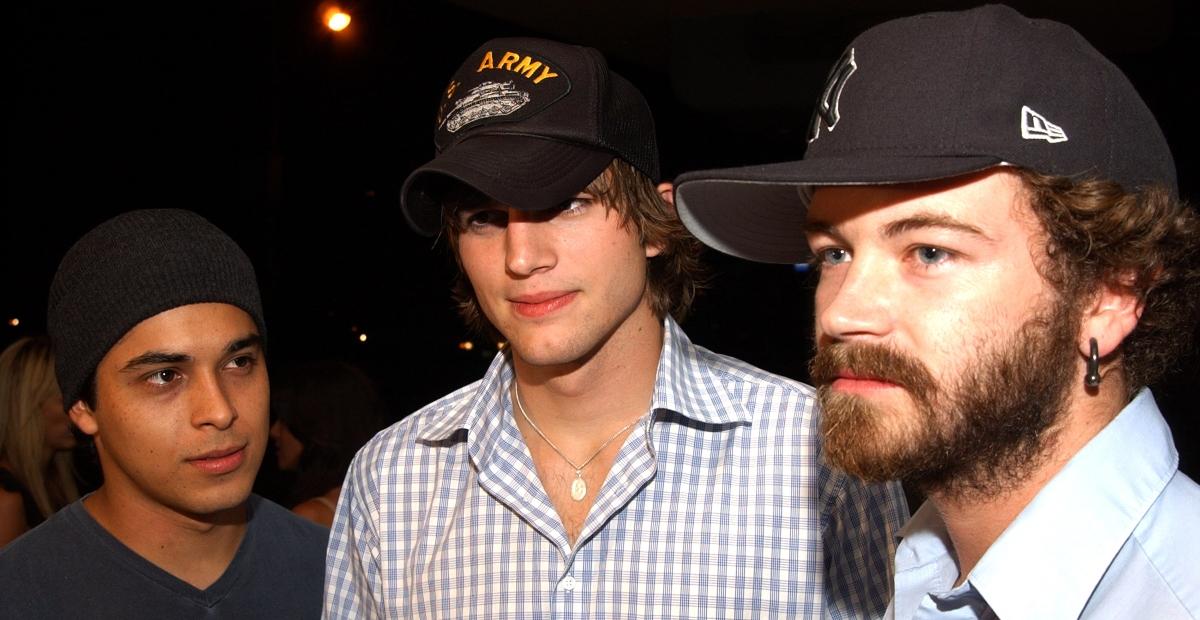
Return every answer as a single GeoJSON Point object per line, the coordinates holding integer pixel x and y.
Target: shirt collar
{"type": "Point", "coordinates": [1081, 519]}
{"type": "Point", "coordinates": [686, 383]}
{"type": "Point", "coordinates": [690, 384]}
{"type": "Point", "coordinates": [1068, 535]}
{"type": "Point", "coordinates": [470, 407]}
{"type": "Point", "coordinates": [924, 561]}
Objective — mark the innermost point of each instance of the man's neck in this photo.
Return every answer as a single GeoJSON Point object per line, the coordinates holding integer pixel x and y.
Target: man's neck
{"type": "Point", "coordinates": [579, 413]}
{"type": "Point", "coordinates": [582, 403]}
{"type": "Point", "coordinates": [975, 521]}
{"type": "Point", "coordinates": [195, 550]}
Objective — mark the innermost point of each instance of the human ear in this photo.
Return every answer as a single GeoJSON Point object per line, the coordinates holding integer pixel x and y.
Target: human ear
{"type": "Point", "coordinates": [83, 417]}
{"type": "Point", "coordinates": [667, 192]}
{"type": "Point", "coordinates": [1110, 318]}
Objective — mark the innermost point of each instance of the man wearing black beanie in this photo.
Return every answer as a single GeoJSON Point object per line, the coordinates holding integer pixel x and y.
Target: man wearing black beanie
{"type": "Point", "coordinates": [159, 342]}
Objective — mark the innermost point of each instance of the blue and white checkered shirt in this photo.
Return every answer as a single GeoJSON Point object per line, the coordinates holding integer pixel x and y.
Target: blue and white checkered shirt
{"type": "Point", "coordinates": [718, 506]}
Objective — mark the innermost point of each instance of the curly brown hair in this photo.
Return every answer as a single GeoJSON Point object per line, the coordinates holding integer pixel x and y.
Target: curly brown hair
{"type": "Point", "coordinates": [1146, 242]}
{"type": "Point", "coordinates": [675, 276]}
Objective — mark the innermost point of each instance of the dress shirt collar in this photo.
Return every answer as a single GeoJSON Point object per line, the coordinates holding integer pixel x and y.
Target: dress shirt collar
{"type": "Point", "coordinates": [683, 385]}
{"type": "Point", "coordinates": [1050, 558]}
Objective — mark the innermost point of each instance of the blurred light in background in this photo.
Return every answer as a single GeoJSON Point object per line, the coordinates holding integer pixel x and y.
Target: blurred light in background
{"type": "Point", "coordinates": [466, 345]}
{"type": "Point", "coordinates": [336, 19]}
{"type": "Point", "coordinates": [14, 321]}
{"type": "Point", "coordinates": [362, 337]}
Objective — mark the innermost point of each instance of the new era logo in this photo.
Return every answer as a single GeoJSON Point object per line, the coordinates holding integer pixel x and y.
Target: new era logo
{"type": "Point", "coordinates": [1034, 126]}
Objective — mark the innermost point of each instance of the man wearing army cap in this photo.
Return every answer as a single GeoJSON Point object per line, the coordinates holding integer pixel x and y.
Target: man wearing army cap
{"type": "Point", "coordinates": [604, 466]}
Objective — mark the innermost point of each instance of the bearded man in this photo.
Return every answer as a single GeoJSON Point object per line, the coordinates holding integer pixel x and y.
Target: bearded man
{"type": "Point", "coordinates": [1004, 267]}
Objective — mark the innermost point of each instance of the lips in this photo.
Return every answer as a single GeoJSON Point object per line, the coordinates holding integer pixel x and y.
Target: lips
{"type": "Point", "coordinates": [871, 370]}
{"type": "Point", "coordinates": [847, 381]}
{"type": "Point", "coordinates": [536, 305]}
{"type": "Point", "coordinates": [220, 461]}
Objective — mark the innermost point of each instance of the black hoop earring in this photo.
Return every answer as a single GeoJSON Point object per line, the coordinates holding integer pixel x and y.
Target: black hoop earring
{"type": "Point", "coordinates": [1092, 379]}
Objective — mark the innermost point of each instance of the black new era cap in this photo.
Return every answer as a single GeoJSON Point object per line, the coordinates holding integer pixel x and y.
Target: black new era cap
{"type": "Point", "coordinates": [936, 96]}
{"type": "Point", "coordinates": [530, 123]}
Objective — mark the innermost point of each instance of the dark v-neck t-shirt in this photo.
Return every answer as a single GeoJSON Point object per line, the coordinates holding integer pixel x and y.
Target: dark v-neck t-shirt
{"type": "Point", "coordinates": [71, 567]}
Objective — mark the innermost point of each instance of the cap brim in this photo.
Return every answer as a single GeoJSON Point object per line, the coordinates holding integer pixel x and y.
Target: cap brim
{"type": "Point", "coordinates": [525, 172]}
{"type": "Point", "coordinates": [757, 212]}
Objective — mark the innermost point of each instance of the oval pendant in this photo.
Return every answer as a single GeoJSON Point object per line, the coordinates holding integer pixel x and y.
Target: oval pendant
{"type": "Point", "coordinates": [578, 489]}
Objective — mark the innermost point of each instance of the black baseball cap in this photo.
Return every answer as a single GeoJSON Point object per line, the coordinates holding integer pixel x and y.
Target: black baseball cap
{"type": "Point", "coordinates": [529, 123]}
{"type": "Point", "coordinates": [936, 96]}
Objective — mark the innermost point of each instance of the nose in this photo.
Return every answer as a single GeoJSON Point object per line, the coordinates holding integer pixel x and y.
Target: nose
{"type": "Point", "coordinates": [212, 404]}
{"type": "Point", "coordinates": [528, 244]}
{"type": "Point", "coordinates": [856, 302]}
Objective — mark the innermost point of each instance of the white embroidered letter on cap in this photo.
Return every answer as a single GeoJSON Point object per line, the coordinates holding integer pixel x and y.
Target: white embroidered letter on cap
{"type": "Point", "coordinates": [827, 108]}
{"type": "Point", "coordinates": [1034, 126]}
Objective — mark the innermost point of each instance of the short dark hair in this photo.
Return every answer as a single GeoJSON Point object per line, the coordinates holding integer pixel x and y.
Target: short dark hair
{"type": "Point", "coordinates": [1146, 242]}
{"type": "Point", "coordinates": [675, 276]}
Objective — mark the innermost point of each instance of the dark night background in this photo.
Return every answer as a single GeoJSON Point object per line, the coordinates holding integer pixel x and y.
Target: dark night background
{"type": "Point", "coordinates": [295, 140]}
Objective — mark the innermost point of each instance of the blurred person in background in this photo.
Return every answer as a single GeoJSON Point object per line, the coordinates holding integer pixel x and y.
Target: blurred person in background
{"type": "Point", "coordinates": [36, 475]}
{"type": "Point", "coordinates": [326, 411]}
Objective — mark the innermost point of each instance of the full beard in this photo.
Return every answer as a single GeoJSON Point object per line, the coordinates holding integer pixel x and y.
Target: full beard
{"type": "Point", "coordinates": [978, 437]}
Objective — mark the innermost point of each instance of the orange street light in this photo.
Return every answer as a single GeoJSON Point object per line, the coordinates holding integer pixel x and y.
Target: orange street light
{"type": "Point", "coordinates": [336, 19]}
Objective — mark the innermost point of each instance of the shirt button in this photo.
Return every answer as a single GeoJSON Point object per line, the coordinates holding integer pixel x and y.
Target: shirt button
{"type": "Point", "coordinates": [568, 583]}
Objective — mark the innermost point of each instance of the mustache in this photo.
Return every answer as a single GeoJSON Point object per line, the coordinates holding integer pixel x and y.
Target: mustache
{"type": "Point", "coordinates": [873, 361]}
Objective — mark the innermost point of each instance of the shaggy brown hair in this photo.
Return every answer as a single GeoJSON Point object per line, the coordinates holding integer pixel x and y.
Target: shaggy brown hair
{"type": "Point", "coordinates": [1146, 242]}
{"type": "Point", "coordinates": [674, 276]}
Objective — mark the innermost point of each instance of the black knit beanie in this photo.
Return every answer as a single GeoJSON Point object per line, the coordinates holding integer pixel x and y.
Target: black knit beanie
{"type": "Point", "coordinates": [131, 268]}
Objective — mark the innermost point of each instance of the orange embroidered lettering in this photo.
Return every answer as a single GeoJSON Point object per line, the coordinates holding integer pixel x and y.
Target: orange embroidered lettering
{"type": "Point", "coordinates": [486, 63]}
{"type": "Point", "coordinates": [506, 62]}
{"type": "Point", "coordinates": [546, 73]}
{"type": "Point", "coordinates": [528, 66]}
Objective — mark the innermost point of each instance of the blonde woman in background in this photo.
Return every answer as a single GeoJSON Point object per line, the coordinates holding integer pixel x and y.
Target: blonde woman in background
{"type": "Point", "coordinates": [36, 475]}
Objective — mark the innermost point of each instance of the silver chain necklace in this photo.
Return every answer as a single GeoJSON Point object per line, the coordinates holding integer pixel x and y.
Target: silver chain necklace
{"type": "Point", "coordinates": [578, 486]}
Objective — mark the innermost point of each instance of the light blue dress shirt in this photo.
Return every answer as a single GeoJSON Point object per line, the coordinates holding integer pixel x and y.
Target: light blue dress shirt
{"type": "Point", "coordinates": [1113, 535]}
{"type": "Point", "coordinates": [717, 506]}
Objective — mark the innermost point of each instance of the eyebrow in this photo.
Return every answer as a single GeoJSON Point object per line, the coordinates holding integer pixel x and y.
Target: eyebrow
{"type": "Point", "coordinates": [931, 220]}
{"type": "Point", "coordinates": [151, 358]}
{"type": "Point", "coordinates": [818, 227]}
{"type": "Point", "coordinates": [915, 222]}
{"type": "Point", "coordinates": [251, 340]}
